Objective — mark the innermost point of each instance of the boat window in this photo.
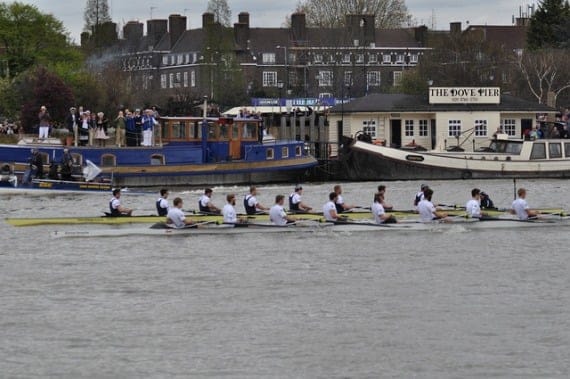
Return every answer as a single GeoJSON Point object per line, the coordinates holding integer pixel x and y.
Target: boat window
{"type": "Point", "coordinates": [567, 149]}
{"type": "Point", "coordinates": [224, 132]}
{"type": "Point", "coordinates": [269, 154]}
{"type": "Point", "coordinates": [77, 159]}
{"type": "Point", "coordinates": [178, 129]}
{"type": "Point", "coordinates": [157, 160]}
{"type": "Point", "coordinates": [493, 146]}
{"type": "Point", "coordinates": [538, 151]}
{"type": "Point", "coordinates": [513, 148]}
{"type": "Point", "coordinates": [555, 150]}
{"type": "Point", "coordinates": [249, 130]}
{"type": "Point", "coordinates": [235, 132]}
{"type": "Point", "coordinates": [298, 151]}
{"type": "Point", "coordinates": [108, 160]}
{"type": "Point", "coordinates": [285, 152]}
{"type": "Point", "coordinates": [194, 130]}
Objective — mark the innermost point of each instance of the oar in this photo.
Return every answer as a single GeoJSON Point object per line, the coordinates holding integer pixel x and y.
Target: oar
{"type": "Point", "coordinates": [454, 206]}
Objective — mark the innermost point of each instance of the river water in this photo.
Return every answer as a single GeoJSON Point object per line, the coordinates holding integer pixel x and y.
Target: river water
{"type": "Point", "coordinates": [449, 304]}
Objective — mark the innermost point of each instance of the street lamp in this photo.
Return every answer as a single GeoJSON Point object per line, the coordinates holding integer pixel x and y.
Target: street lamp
{"type": "Point", "coordinates": [280, 86]}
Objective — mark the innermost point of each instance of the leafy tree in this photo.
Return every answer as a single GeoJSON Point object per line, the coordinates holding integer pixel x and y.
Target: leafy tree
{"type": "Point", "coordinates": [96, 13]}
{"type": "Point", "coordinates": [42, 87]}
{"type": "Point", "coordinates": [331, 14]}
{"type": "Point", "coordinates": [547, 25]}
{"type": "Point", "coordinates": [221, 11]}
{"type": "Point", "coordinates": [30, 37]}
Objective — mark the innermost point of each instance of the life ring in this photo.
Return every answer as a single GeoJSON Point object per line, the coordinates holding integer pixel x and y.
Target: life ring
{"type": "Point", "coordinates": [466, 175]}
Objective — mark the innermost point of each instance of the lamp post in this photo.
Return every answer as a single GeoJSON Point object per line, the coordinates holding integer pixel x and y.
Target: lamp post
{"type": "Point", "coordinates": [285, 66]}
{"type": "Point", "coordinates": [280, 86]}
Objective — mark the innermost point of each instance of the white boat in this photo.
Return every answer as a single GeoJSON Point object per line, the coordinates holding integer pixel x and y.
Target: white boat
{"type": "Point", "coordinates": [213, 228]}
{"type": "Point", "coordinates": [503, 158]}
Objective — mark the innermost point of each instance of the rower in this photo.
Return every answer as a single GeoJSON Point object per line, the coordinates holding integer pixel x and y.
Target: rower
{"type": "Point", "coordinates": [420, 195]}
{"type": "Point", "coordinates": [175, 217]}
{"type": "Point", "coordinates": [229, 212]}
{"type": "Point", "coordinates": [486, 202]}
{"type": "Point", "coordinates": [520, 207]}
{"type": "Point", "coordinates": [295, 203]}
{"type": "Point", "coordinates": [341, 206]}
{"type": "Point", "coordinates": [382, 191]}
{"type": "Point", "coordinates": [330, 207]}
{"type": "Point", "coordinates": [250, 203]}
{"type": "Point", "coordinates": [473, 207]}
{"type": "Point", "coordinates": [379, 213]}
{"type": "Point", "coordinates": [427, 210]}
{"type": "Point", "coordinates": [277, 214]}
{"type": "Point", "coordinates": [115, 205]}
{"type": "Point", "coordinates": [162, 203]}
{"type": "Point", "coordinates": [205, 204]}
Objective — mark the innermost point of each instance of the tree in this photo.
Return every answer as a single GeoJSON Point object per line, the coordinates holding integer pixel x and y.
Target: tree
{"type": "Point", "coordinates": [30, 37]}
{"type": "Point", "coordinates": [96, 13]}
{"type": "Point", "coordinates": [546, 72]}
{"type": "Point", "coordinates": [547, 25]}
{"type": "Point", "coordinates": [221, 11]}
{"type": "Point", "coordinates": [331, 14]}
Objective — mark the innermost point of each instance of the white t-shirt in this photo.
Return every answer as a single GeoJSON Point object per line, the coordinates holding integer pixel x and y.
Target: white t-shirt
{"type": "Point", "coordinates": [162, 202]}
{"type": "Point", "coordinates": [115, 203]}
{"type": "Point", "coordinates": [295, 198]}
{"type": "Point", "coordinates": [176, 215]}
{"type": "Point", "coordinates": [520, 207]}
{"type": "Point", "coordinates": [252, 201]}
{"type": "Point", "coordinates": [378, 211]}
{"type": "Point", "coordinates": [277, 215]}
{"type": "Point", "coordinates": [473, 208]}
{"type": "Point", "coordinates": [339, 200]}
{"type": "Point", "coordinates": [327, 209]}
{"type": "Point", "coordinates": [426, 209]}
{"type": "Point", "coordinates": [205, 201]}
{"type": "Point", "coordinates": [229, 213]}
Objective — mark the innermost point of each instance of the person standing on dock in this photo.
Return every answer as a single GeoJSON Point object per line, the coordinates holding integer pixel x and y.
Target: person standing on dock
{"type": "Point", "coordinates": [250, 203]}
{"type": "Point", "coordinates": [277, 214]}
{"type": "Point", "coordinates": [295, 203]}
{"type": "Point", "coordinates": [44, 122]}
{"type": "Point", "coordinates": [162, 203]}
{"type": "Point", "coordinates": [205, 203]}
{"type": "Point", "coordinates": [176, 217]}
{"type": "Point", "coordinates": [115, 205]}
{"type": "Point", "coordinates": [148, 123]}
{"type": "Point", "coordinates": [520, 207]}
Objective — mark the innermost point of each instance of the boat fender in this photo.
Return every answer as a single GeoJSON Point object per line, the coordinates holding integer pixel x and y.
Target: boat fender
{"type": "Point", "coordinates": [466, 175]}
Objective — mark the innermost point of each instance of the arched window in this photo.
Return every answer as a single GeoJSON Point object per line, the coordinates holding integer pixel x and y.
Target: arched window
{"type": "Point", "coordinates": [157, 160]}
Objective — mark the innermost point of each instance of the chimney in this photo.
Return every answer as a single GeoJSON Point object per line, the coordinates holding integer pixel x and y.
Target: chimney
{"type": "Point", "coordinates": [421, 35]}
{"type": "Point", "coordinates": [455, 28]}
{"type": "Point", "coordinates": [176, 28]}
{"type": "Point", "coordinates": [298, 27]}
{"type": "Point", "coordinates": [241, 31]}
{"type": "Point", "coordinates": [155, 30]}
{"type": "Point", "coordinates": [522, 21]}
{"type": "Point", "coordinates": [207, 20]}
{"type": "Point", "coordinates": [133, 31]}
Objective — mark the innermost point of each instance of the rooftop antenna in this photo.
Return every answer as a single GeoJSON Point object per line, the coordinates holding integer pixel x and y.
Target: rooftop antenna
{"type": "Point", "coordinates": [151, 9]}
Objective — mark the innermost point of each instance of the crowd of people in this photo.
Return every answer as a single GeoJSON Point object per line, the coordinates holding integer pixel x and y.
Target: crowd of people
{"type": "Point", "coordinates": [131, 128]}
{"type": "Point", "coordinates": [333, 210]}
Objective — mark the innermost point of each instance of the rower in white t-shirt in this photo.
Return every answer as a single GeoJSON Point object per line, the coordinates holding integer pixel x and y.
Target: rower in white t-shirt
{"type": "Point", "coordinates": [329, 209]}
{"type": "Point", "coordinates": [520, 207]}
{"type": "Point", "coordinates": [428, 212]}
{"type": "Point", "coordinates": [473, 206]}
{"type": "Point", "coordinates": [277, 213]}
{"type": "Point", "coordinates": [175, 217]}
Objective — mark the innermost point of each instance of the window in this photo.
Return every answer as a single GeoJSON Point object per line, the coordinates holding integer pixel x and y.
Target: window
{"type": "Point", "coordinates": [409, 128]}
{"type": "Point", "coordinates": [373, 58]}
{"type": "Point", "coordinates": [555, 150]}
{"type": "Point", "coordinates": [192, 78]}
{"type": "Point", "coordinates": [454, 128]}
{"type": "Point", "coordinates": [108, 160]}
{"type": "Point", "coordinates": [373, 78]}
{"type": "Point", "coordinates": [157, 160]}
{"type": "Point", "coordinates": [414, 58]}
{"type": "Point", "coordinates": [163, 82]}
{"type": "Point", "coordinates": [538, 151]}
{"type": "Point", "coordinates": [386, 58]}
{"type": "Point", "coordinates": [567, 149]}
{"type": "Point", "coordinates": [318, 58]}
{"type": "Point", "coordinates": [180, 59]}
{"type": "Point", "coordinates": [397, 77]}
{"type": "Point", "coordinates": [268, 58]}
{"type": "Point", "coordinates": [178, 80]}
{"type": "Point", "coordinates": [269, 154]}
{"type": "Point", "coordinates": [171, 80]}
{"type": "Point", "coordinates": [346, 58]}
{"type": "Point", "coordinates": [165, 60]}
{"type": "Point", "coordinates": [325, 78]}
{"type": "Point", "coordinates": [400, 58]}
{"type": "Point", "coordinates": [285, 152]}
{"type": "Point", "coordinates": [185, 79]}
{"type": "Point", "coordinates": [359, 58]}
{"type": "Point", "coordinates": [269, 78]}
{"type": "Point", "coordinates": [369, 127]}
{"type": "Point", "coordinates": [423, 128]}
{"type": "Point", "coordinates": [480, 128]}
{"type": "Point", "coordinates": [509, 126]}
{"type": "Point", "coordinates": [298, 151]}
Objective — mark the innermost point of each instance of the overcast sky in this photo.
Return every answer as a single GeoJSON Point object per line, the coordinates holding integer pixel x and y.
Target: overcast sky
{"type": "Point", "coordinates": [272, 13]}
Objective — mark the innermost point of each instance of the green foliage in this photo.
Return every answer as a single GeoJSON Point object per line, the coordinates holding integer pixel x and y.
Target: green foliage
{"type": "Point", "coordinates": [548, 25]}
{"type": "Point", "coordinates": [30, 38]}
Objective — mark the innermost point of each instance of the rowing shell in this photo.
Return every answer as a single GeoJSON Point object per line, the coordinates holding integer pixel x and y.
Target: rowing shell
{"type": "Point", "coordinates": [150, 219]}
{"type": "Point", "coordinates": [212, 228]}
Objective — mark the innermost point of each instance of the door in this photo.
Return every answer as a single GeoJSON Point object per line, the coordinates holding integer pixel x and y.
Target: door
{"type": "Point", "coordinates": [395, 133]}
{"type": "Point", "coordinates": [235, 140]}
{"type": "Point", "coordinates": [433, 134]}
{"type": "Point", "coordinates": [526, 127]}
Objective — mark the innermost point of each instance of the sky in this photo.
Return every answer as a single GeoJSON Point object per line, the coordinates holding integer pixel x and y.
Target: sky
{"type": "Point", "coordinates": [436, 14]}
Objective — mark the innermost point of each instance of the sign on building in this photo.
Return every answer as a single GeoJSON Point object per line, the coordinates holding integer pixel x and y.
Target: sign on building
{"type": "Point", "coordinates": [464, 95]}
